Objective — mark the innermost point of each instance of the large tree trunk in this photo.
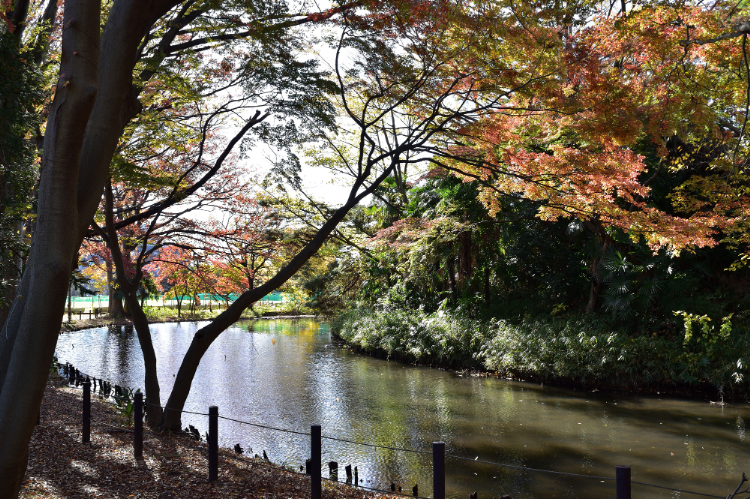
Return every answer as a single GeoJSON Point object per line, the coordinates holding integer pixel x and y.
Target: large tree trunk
{"type": "Point", "coordinates": [116, 308]}
{"type": "Point", "coordinates": [78, 148]}
{"type": "Point", "coordinates": [30, 332]}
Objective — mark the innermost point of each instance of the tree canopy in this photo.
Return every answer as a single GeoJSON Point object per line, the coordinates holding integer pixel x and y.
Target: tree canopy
{"type": "Point", "coordinates": [627, 119]}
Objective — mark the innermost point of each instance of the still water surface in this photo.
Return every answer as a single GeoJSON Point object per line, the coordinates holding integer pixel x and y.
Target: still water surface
{"type": "Point", "coordinates": [288, 374]}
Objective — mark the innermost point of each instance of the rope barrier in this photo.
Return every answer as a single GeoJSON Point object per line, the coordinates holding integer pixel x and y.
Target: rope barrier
{"type": "Point", "coordinates": [677, 490]}
{"type": "Point", "coordinates": [378, 446]}
{"type": "Point", "coordinates": [530, 469]}
{"type": "Point", "coordinates": [325, 437]}
{"type": "Point", "coordinates": [263, 426]}
{"type": "Point", "coordinates": [399, 449]}
{"type": "Point", "coordinates": [101, 378]}
{"type": "Point", "coordinates": [190, 412]}
{"type": "Point", "coordinates": [183, 411]}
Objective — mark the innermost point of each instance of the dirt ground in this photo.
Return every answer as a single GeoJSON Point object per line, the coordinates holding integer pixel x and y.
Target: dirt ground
{"type": "Point", "coordinates": [173, 466]}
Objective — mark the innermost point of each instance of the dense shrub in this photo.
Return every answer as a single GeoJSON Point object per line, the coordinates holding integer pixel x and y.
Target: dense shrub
{"type": "Point", "coordinates": [585, 350]}
{"type": "Point", "coordinates": [413, 335]}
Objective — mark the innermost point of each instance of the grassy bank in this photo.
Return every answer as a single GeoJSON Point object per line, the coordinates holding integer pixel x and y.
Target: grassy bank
{"type": "Point", "coordinates": [168, 314]}
{"type": "Point", "coordinates": [581, 350]}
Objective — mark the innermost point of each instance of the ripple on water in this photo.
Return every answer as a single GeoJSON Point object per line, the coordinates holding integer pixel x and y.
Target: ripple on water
{"type": "Point", "coordinates": [288, 374]}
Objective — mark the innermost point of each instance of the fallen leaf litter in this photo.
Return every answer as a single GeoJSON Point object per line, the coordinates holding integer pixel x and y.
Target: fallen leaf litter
{"type": "Point", "coordinates": [173, 466]}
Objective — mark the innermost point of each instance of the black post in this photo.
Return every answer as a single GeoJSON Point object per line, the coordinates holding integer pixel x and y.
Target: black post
{"type": "Point", "coordinates": [333, 471]}
{"type": "Point", "coordinates": [622, 476]}
{"type": "Point", "coordinates": [213, 443]}
{"type": "Point", "coordinates": [356, 477]}
{"type": "Point", "coordinates": [438, 470]}
{"type": "Point", "coordinates": [86, 433]}
{"type": "Point", "coordinates": [315, 451]}
{"type": "Point", "coordinates": [138, 429]}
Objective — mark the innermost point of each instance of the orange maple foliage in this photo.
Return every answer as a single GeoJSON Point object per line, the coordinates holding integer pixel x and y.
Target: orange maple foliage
{"type": "Point", "coordinates": [568, 102]}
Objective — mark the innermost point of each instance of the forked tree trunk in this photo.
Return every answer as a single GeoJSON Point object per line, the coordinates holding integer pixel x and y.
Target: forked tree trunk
{"type": "Point", "coordinates": [86, 119]}
{"type": "Point", "coordinates": [30, 332]}
{"type": "Point", "coordinates": [117, 309]}
{"type": "Point", "coordinates": [179, 305]}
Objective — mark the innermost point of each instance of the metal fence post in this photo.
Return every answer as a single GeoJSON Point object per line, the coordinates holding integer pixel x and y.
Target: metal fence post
{"type": "Point", "coordinates": [438, 470]}
{"type": "Point", "coordinates": [315, 451]}
{"type": "Point", "coordinates": [213, 443]}
{"type": "Point", "coordinates": [622, 477]}
{"type": "Point", "coordinates": [138, 427]}
{"type": "Point", "coordinates": [86, 433]}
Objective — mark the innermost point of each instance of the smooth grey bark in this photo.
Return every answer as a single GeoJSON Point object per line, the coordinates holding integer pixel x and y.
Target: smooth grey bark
{"type": "Point", "coordinates": [83, 128]}
{"type": "Point", "coordinates": [117, 104]}
{"type": "Point", "coordinates": [30, 332]}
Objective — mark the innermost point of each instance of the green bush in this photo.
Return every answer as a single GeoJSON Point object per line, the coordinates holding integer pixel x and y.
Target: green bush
{"type": "Point", "coordinates": [586, 350]}
{"type": "Point", "coordinates": [413, 335]}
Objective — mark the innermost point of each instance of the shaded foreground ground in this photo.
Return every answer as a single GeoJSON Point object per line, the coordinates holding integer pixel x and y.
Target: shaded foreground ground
{"type": "Point", "coordinates": [173, 465]}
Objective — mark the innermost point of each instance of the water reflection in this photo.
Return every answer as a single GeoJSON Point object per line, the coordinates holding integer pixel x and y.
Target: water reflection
{"type": "Point", "coordinates": [287, 374]}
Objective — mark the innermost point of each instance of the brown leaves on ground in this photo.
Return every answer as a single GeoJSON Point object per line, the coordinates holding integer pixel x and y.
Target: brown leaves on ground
{"type": "Point", "coordinates": [173, 465]}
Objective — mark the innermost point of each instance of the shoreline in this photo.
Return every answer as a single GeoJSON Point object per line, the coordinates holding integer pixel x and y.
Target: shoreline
{"type": "Point", "coordinates": [173, 465]}
{"type": "Point", "coordinates": [704, 393]}
{"type": "Point", "coordinates": [105, 320]}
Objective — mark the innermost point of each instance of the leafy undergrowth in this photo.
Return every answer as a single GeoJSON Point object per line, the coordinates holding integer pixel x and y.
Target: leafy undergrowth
{"type": "Point", "coordinates": [60, 466]}
{"type": "Point", "coordinates": [584, 350]}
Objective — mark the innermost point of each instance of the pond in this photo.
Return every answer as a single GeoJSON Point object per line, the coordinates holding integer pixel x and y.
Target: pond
{"type": "Point", "coordinates": [289, 374]}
